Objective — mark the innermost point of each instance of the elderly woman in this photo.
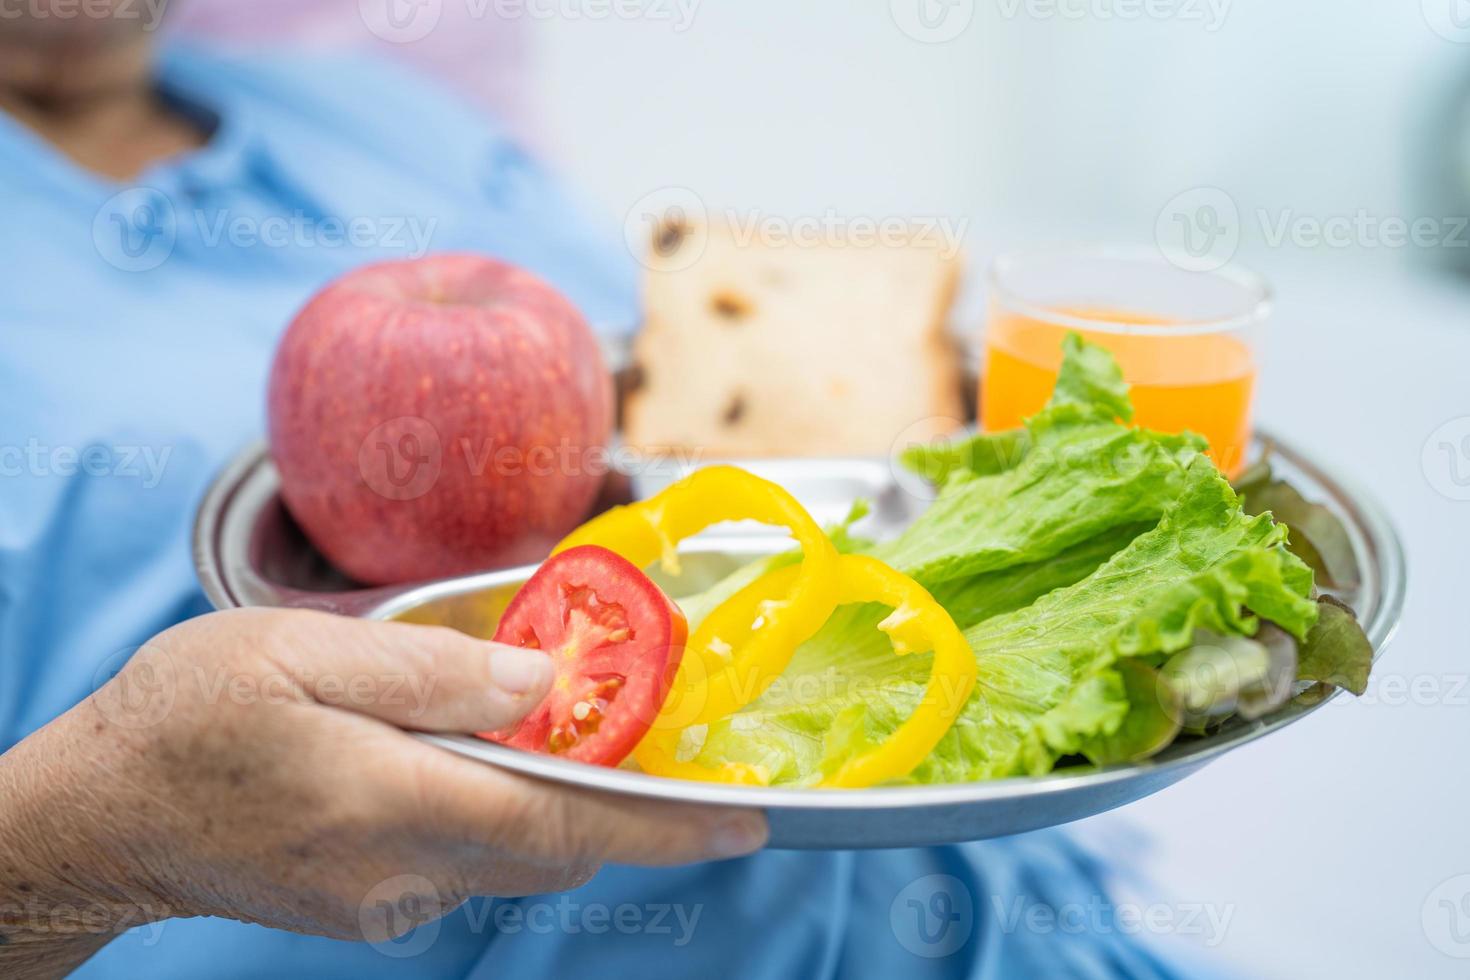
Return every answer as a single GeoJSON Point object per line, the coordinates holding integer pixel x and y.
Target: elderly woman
{"type": "Point", "coordinates": [278, 830]}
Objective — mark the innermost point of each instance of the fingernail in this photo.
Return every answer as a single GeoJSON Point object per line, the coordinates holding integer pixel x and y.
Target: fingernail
{"type": "Point", "coordinates": [735, 838]}
{"type": "Point", "coordinates": [519, 671]}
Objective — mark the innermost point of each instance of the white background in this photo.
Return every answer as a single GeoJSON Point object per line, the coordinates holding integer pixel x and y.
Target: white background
{"type": "Point", "coordinates": [1034, 127]}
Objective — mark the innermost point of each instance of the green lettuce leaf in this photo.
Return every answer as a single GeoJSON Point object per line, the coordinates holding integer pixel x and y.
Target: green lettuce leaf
{"type": "Point", "coordinates": [1091, 379]}
{"type": "Point", "coordinates": [1220, 676]}
{"type": "Point", "coordinates": [1044, 669]}
{"type": "Point", "coordinates": [1153, 720]}
{"type": "Point", "coordinates": [1083, 476]}
{"type": "Point", "coordinates": [970, 600]}
{"type": "Point", "coordinates": [1336, 652]}
{"type": "Point", "coordinates": [1088, 379]}
{"type": "Point", "coordinates": [1048, 683]}
{"type": "Point", "coordinates": [983, 454]}
{"type": "Point", "coordinates": [1317, 535]}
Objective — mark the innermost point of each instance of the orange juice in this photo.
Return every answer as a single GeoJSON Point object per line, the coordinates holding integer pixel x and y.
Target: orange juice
{"type": "Point", "coordinates": [1186, 380]}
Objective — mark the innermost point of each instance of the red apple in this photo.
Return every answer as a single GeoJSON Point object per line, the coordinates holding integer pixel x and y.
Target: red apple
{"type": "Point", "coordinates": [436, 417]}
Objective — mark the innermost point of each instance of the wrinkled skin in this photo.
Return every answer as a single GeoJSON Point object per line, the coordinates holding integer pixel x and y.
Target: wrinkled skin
{"type": "Point", "coordinates": [252, 764]}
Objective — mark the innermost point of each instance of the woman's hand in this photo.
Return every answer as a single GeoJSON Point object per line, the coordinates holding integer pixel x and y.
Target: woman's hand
{"type": "Point", "coordinates": [251, 764]}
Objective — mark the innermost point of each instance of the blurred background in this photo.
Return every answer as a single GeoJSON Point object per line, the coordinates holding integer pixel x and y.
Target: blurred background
{"type": "Point", "coordinates": [1036, 119]}
{"type": "Point", "coordinates": [1322, 144]}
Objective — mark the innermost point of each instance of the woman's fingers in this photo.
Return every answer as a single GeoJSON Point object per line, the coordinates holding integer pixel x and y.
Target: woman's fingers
{"type": "Point", "coordinates": [437, 679]}
{"type": "Point", "coordinates": [428, 678]}
{"type": "Point", "coordinates": [479, 686]}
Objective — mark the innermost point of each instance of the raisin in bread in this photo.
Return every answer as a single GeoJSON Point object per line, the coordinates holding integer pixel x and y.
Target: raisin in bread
{"type": "Point", "coordinates": [758, 349]}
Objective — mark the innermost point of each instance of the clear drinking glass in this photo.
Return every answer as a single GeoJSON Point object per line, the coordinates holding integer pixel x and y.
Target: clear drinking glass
{"type": "Point", "coordinates": [1186, 341]}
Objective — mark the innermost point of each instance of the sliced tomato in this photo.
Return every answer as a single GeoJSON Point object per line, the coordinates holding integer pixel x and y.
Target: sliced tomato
{"type": "Point", "coordinates": [616, 640]}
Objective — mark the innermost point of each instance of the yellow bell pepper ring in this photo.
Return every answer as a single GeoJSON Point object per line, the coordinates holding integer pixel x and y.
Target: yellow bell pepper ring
{"type": "Point", "coordinates": [650, 530]}
{"type": "Point", "coordinates": [917, 623]}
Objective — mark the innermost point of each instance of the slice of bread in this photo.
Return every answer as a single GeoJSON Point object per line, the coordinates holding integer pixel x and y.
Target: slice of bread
{"type": "Point", "coordinates": [757, 349]}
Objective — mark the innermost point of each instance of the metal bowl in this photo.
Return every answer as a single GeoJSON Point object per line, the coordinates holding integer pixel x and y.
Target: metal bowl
{"type": "Point", "coordinates": [249, 553]}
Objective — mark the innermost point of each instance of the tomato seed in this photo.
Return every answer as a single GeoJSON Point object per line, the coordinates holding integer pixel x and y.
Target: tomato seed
{"type": "Point", "coordinates": [562, 738]}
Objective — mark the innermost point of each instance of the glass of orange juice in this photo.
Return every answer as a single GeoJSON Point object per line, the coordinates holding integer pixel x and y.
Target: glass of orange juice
{"type": "Point", "coordinates": [1186, 341]}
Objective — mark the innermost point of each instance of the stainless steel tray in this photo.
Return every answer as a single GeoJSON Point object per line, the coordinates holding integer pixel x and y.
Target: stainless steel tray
{"type": "Point", "coordinates": [249, 553]}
